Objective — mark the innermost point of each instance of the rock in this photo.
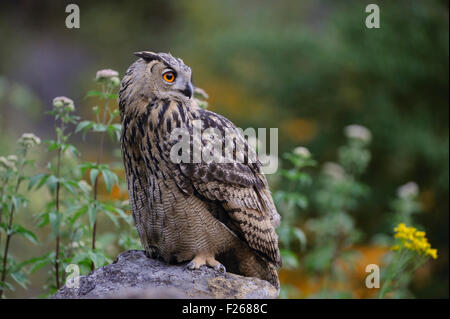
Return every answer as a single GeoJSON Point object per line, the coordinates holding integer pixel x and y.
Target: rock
{"type": "Point", "coordinates": [134, 275]}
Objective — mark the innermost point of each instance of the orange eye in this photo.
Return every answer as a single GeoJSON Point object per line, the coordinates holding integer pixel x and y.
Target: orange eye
{"type": "Point", "coordinates": [169, 77]}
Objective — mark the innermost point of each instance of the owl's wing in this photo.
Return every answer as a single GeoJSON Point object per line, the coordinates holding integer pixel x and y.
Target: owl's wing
{"type": "Point", "coordinates": [240, 188]}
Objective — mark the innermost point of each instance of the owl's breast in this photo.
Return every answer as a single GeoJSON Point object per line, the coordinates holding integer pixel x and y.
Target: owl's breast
{"type": "Point", "coordinates": [182, 225]}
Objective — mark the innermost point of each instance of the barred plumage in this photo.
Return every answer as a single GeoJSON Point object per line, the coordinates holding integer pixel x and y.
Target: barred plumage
{"type": "Point", "coordinates": [206, 213]}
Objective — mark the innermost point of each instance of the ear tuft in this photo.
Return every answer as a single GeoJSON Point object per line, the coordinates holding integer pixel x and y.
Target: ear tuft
{"type": "Point", "coordinates": [147, 55]}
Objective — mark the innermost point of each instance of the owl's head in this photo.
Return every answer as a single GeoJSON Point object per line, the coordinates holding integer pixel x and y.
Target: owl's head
{"type": "Point", "coordinates": [155, 75]}
{"type": "Point", "coordinates": [163, 75]}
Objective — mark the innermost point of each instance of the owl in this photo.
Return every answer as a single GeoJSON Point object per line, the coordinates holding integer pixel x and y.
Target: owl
{"type": "Point", "coordinates": [205, 213]}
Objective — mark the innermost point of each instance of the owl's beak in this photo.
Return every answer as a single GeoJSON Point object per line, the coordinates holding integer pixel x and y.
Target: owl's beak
{"type": "Point", "coordinates": [188, 90]}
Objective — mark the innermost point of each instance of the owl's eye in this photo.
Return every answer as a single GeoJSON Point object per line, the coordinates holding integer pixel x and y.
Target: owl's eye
{"type": "Point", "coordinates": [169, 76]}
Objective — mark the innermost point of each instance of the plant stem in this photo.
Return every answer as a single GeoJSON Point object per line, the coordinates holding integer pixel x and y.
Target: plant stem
{"type": "Point", "coordinates": [58, 187]}
{"type": "Point", "coordinates": [99, 159]}
{"type": "Point", "coordinates": [9, 232]}
{"type": "Point", "coordinates": [393, 271]}
{"type": "Point", "coordinates": [57, 210]}
{"type": "Point", "coordinates": [1, 207]}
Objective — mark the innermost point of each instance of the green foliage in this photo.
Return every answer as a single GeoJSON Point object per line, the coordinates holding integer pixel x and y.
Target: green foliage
{"type": "Point", "coordinates": [326, 250]}
{"type": "Point", "coordinates": [13, 172]}
{"type": "Point", "coordinates": [74, 208]}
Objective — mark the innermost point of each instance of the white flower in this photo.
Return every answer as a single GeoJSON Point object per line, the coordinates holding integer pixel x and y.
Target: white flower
{"type": "Point", "coordinates": [29, 139]}
{"type": "Point", "coordinates": [115, 81]}
{"type": "Point", "coordinates": [75, 244]}
{"type": "Point", "coordinates": [12, 158]}
{"type": "Point", "coordinates": [408, 190]}
{"type": "Point", "coordinates": [333, 170]}
{"type": "Point", "coordinates": [106, 74]}
{"type": "Point", "coordinates": [6, 164]}
{"type": "Point", "coordinates": [302, 152]}
{"type": "Point", "coordinates": [358, 132]}
{"type": "Point", "coordinates": [62, 101]}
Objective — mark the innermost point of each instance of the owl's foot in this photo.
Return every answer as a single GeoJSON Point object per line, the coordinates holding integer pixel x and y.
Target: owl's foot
{"type": "Point", "coordinates": [204, 260]}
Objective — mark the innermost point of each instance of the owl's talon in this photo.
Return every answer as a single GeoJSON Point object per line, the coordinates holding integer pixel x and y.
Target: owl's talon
{"type": "Point", "coordinates": [220, 268]}
{"type": "Point", "coordinates": [205, 260]}
{"type": "Point", "coordinates": [190, 265]}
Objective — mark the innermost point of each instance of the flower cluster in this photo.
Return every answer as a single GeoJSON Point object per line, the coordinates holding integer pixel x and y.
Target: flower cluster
{"type": "Point", "coordinates": [62, 102]}
{"type": "Point", "coordinates": [109, 76]}
{"type": "Point", "coordinates": [414, 240]}
{"type": "Point", "coordinates": [302, 152]}
{"type": "Point", "coordinates": [409, 190]}
{"type": "Point", "coordinates": [8, 163]}
{"type": "Point", "coordinates": [333, 170]}
{"type": "Point", "coordinates": [29, 140]}
{"type": "Point", "coordinates": [358, 132]}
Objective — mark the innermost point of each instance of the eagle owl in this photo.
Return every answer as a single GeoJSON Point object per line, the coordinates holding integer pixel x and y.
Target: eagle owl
{"type": "Point", "coordinates": [216, 214]}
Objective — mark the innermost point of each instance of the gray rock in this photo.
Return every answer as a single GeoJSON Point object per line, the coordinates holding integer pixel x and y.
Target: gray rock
{"type": "Point", "coordinates": [134, 275]}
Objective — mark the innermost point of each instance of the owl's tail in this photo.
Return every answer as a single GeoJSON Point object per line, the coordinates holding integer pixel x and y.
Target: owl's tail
{"type": "Point", "coordinates": [253, 265]}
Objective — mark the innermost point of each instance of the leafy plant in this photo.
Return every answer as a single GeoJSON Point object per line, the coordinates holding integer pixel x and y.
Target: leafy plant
{"type": "Point", "coordinates": [12, 175]}
{"type": "Point", "coordinates": [289, 201]}
{"type": "Point", "coordinates": [109, 81]}
{"type": "Point", "coordinates": [410, 248]}
{"type": "Point", "coordinates": [339, 193]}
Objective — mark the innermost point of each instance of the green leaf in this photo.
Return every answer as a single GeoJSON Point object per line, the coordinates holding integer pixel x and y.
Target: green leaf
{"type": "Point", "coordinates": [78, 213]}
{"type": "Point", "coordinates": [112, 217]}
{"type": "Point", "coordinates": [68, 185]}
{"type": "Point", "coordinates": [290, 260]}
{"type": "Point", "coordinates": [51, 182]}
{"type": "Point", "coordinates": [38, 262]}
{"type": "Point", "coordinates": [28, 234]}
{"type": "Point", "coordinates": [16, 201]}
{"type": "Point", "coordinates": [110, 178]}
{"type": "Point", "coordinates": [95, 93]}
{"type": "Point", "coordinates": [93, 174]}
{"type": "Point", "coordinates": [73, 150]}
{"type": "Point", "coordinates": [79, 257]}
{"type": "Point", "coordinates": [83, 167]}
{"type": "Point", "coordinates": [98, 127]}
{"type": "Point", "coordinates": [20, 278]}
{"type": "Point", "coordinates": [38, 178]}
{"type": "Point", "coordinates": [114, 131]}
{"type": "Point", "coordinates": [53, 145]}
{"type": "Point", "coordinates": [122, 214]}
{"type": "Point", "coordinates": [97, 258]}
{"type": "Point", "coordinates": [92, 212]}
{"type": "Point", "coordinates": [301, 237]}
{"type": "Point", "coordinates": [6, 286]}
{"type": "Point", "coordinates": [84, 186]}
{"type": "Point", "coordinates": [55, 219]}
{"type": "Point", "coordinates": [84, 126]}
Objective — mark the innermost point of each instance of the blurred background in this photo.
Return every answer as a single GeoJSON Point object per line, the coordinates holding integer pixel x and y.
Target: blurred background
{"type": "Point", "coordinates": [308, 68]}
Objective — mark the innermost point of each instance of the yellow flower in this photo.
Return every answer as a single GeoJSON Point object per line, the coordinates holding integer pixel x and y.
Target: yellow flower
{"type": "Point", "coordinates": [432, 253]}
{"type": "Point", "coordinates": [413, 239]}
{"type": "Point", "coordinates": [420, 234]}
